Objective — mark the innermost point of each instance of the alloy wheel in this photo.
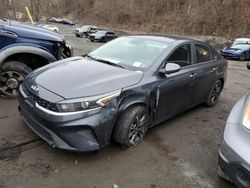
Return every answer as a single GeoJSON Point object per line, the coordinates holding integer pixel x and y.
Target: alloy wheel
{"type": "Point", "coordinates": [216, 92]}
{"type": "Point", "coordinates": [138, 129]}
{"type": "Point", "coordinates": [9, 82]}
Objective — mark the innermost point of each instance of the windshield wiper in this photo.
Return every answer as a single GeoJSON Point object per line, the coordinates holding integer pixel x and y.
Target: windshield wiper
{"type": "Point", "coordinates": [105, 61]}
{"type": "Point", "coordinates": [89, 56]}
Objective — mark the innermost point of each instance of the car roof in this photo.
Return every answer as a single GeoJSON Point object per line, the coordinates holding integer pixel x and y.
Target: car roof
{"type": "Point", "coordinates": [166, 39]}
{"type": "Point", "coordinates": [242, 39]}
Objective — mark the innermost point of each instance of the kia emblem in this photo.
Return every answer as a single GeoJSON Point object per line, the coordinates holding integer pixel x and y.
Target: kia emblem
{"type": "Point", "coordinates": [35, 88]}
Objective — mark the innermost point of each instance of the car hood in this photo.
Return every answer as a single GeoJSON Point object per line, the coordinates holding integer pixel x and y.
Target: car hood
{"type": "Point", "coordinates": [232, 50]}
{"type": "Point", "coordinates": [83, 78]}
{"type": "Point", "coordinates": [27, 31]}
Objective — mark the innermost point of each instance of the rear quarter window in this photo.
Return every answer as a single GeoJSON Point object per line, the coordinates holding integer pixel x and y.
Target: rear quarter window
{"type": "Point", "coordinates": [203, 53]}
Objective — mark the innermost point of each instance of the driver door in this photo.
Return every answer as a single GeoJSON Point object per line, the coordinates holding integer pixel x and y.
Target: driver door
{"type": "Point", "coordinates": [175, 90]}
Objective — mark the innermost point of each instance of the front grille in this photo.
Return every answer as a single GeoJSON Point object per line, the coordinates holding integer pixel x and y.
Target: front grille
{"type": "Point", "coordinates": [38, 129]}
{"type": "Point", "coordinates": [45, 104]}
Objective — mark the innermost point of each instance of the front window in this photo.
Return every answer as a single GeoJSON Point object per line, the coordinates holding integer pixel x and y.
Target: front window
{"type": "Point", "coordinates": [131, 52]}
{"type": "Point", "coordinates": [182, 56]}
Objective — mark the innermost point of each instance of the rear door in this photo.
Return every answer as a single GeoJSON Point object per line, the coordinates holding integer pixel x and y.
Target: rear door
{"type": "Point", "coordinates": [204, 72]}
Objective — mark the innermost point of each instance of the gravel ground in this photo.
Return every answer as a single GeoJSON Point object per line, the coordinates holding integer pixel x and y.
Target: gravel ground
{"type": "Point", "coordinates": [179, 153]}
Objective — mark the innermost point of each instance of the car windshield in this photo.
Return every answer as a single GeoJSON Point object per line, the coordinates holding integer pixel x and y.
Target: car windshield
{"type": "Point", "coordinates": [241, 46]}
{"type": "Point", "coordinates": [131, 52]}
{"type": "Point", "coordinates": [4, 22]}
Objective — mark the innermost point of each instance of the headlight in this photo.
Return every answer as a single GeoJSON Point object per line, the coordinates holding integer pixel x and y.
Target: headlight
{"type": "Point", "coordinates": [246, 117]}
{"type": "Point", "coordinates": [68, 46]}
{"type": "Point", "coordinates": [82, 104]}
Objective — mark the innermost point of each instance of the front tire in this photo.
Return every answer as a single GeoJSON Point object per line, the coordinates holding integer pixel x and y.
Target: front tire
{"type": "Point", "coordinates": [132, 126]}
{"type": "Point", "coordinates": [11, 76]}
{"type": "Point", "coordinates": [214, 94]}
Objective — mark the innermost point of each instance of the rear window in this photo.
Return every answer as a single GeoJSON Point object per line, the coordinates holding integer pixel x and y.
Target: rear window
{"type": "Point", "coordinates": [202, 53]}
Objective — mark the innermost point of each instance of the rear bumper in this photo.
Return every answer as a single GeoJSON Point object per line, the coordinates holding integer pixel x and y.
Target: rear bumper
{"type": "Point", "coordinates": [234, 166]}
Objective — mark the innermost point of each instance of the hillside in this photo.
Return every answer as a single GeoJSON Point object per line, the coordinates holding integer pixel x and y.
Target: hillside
{"type": "Point", "coordinates": [228, 18]}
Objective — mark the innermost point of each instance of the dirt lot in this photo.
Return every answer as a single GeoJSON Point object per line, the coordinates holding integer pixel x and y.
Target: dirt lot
{"type": "Point", "coordinates": [180, 153]}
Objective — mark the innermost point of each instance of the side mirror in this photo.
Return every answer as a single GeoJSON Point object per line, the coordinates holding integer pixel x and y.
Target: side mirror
{"type": "Point", "coordinates": [248, 65]}
{"type": "Point", "coordinates": [171, 68]}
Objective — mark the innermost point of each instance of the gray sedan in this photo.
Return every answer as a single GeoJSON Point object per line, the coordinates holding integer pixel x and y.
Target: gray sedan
{"type": "Point", "coordinates": [120, 90]}
{"type": "Point", "coordinates": [234, 155]}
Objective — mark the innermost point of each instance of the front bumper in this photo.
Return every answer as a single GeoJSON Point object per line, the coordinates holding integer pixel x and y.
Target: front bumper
{"type": "Point", "coordinates": [230, 55]}
{"type": "Point", "coordinates": [79, 132]}
{"type": "Point", "coordinates": [234, 156]}
{"type": "Point", "coordinates": [93, 38]}
{"type": "Point", "coordinates": [234, 166]}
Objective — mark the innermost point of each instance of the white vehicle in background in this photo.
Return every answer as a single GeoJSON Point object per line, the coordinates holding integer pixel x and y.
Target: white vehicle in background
{"type": "Point", "coordinates": [48, 27]}
{"type": "Point", "coordinates": [241, 41]}
{"type": "Point", "coordinates": [85, 30]}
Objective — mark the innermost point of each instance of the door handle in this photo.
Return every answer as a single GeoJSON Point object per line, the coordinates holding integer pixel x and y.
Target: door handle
{"type": "Point", "coordinates": [215, 69]}
{"type": "Point", "coordinates": [193, 75]}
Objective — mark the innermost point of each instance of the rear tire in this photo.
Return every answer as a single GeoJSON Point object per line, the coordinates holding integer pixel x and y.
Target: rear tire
{"type": "Point", "coordinates": [132, 126]}
{"type": "Point", "coordinates": [11, 76]}
{"type": "Point", "coordinates": [214, 94]}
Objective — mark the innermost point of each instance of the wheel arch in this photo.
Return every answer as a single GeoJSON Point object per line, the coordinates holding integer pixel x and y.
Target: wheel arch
{"type": "Point", "coordinates": [129, 104]}
{"type": "Point", "coordinates": [14, 52]}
